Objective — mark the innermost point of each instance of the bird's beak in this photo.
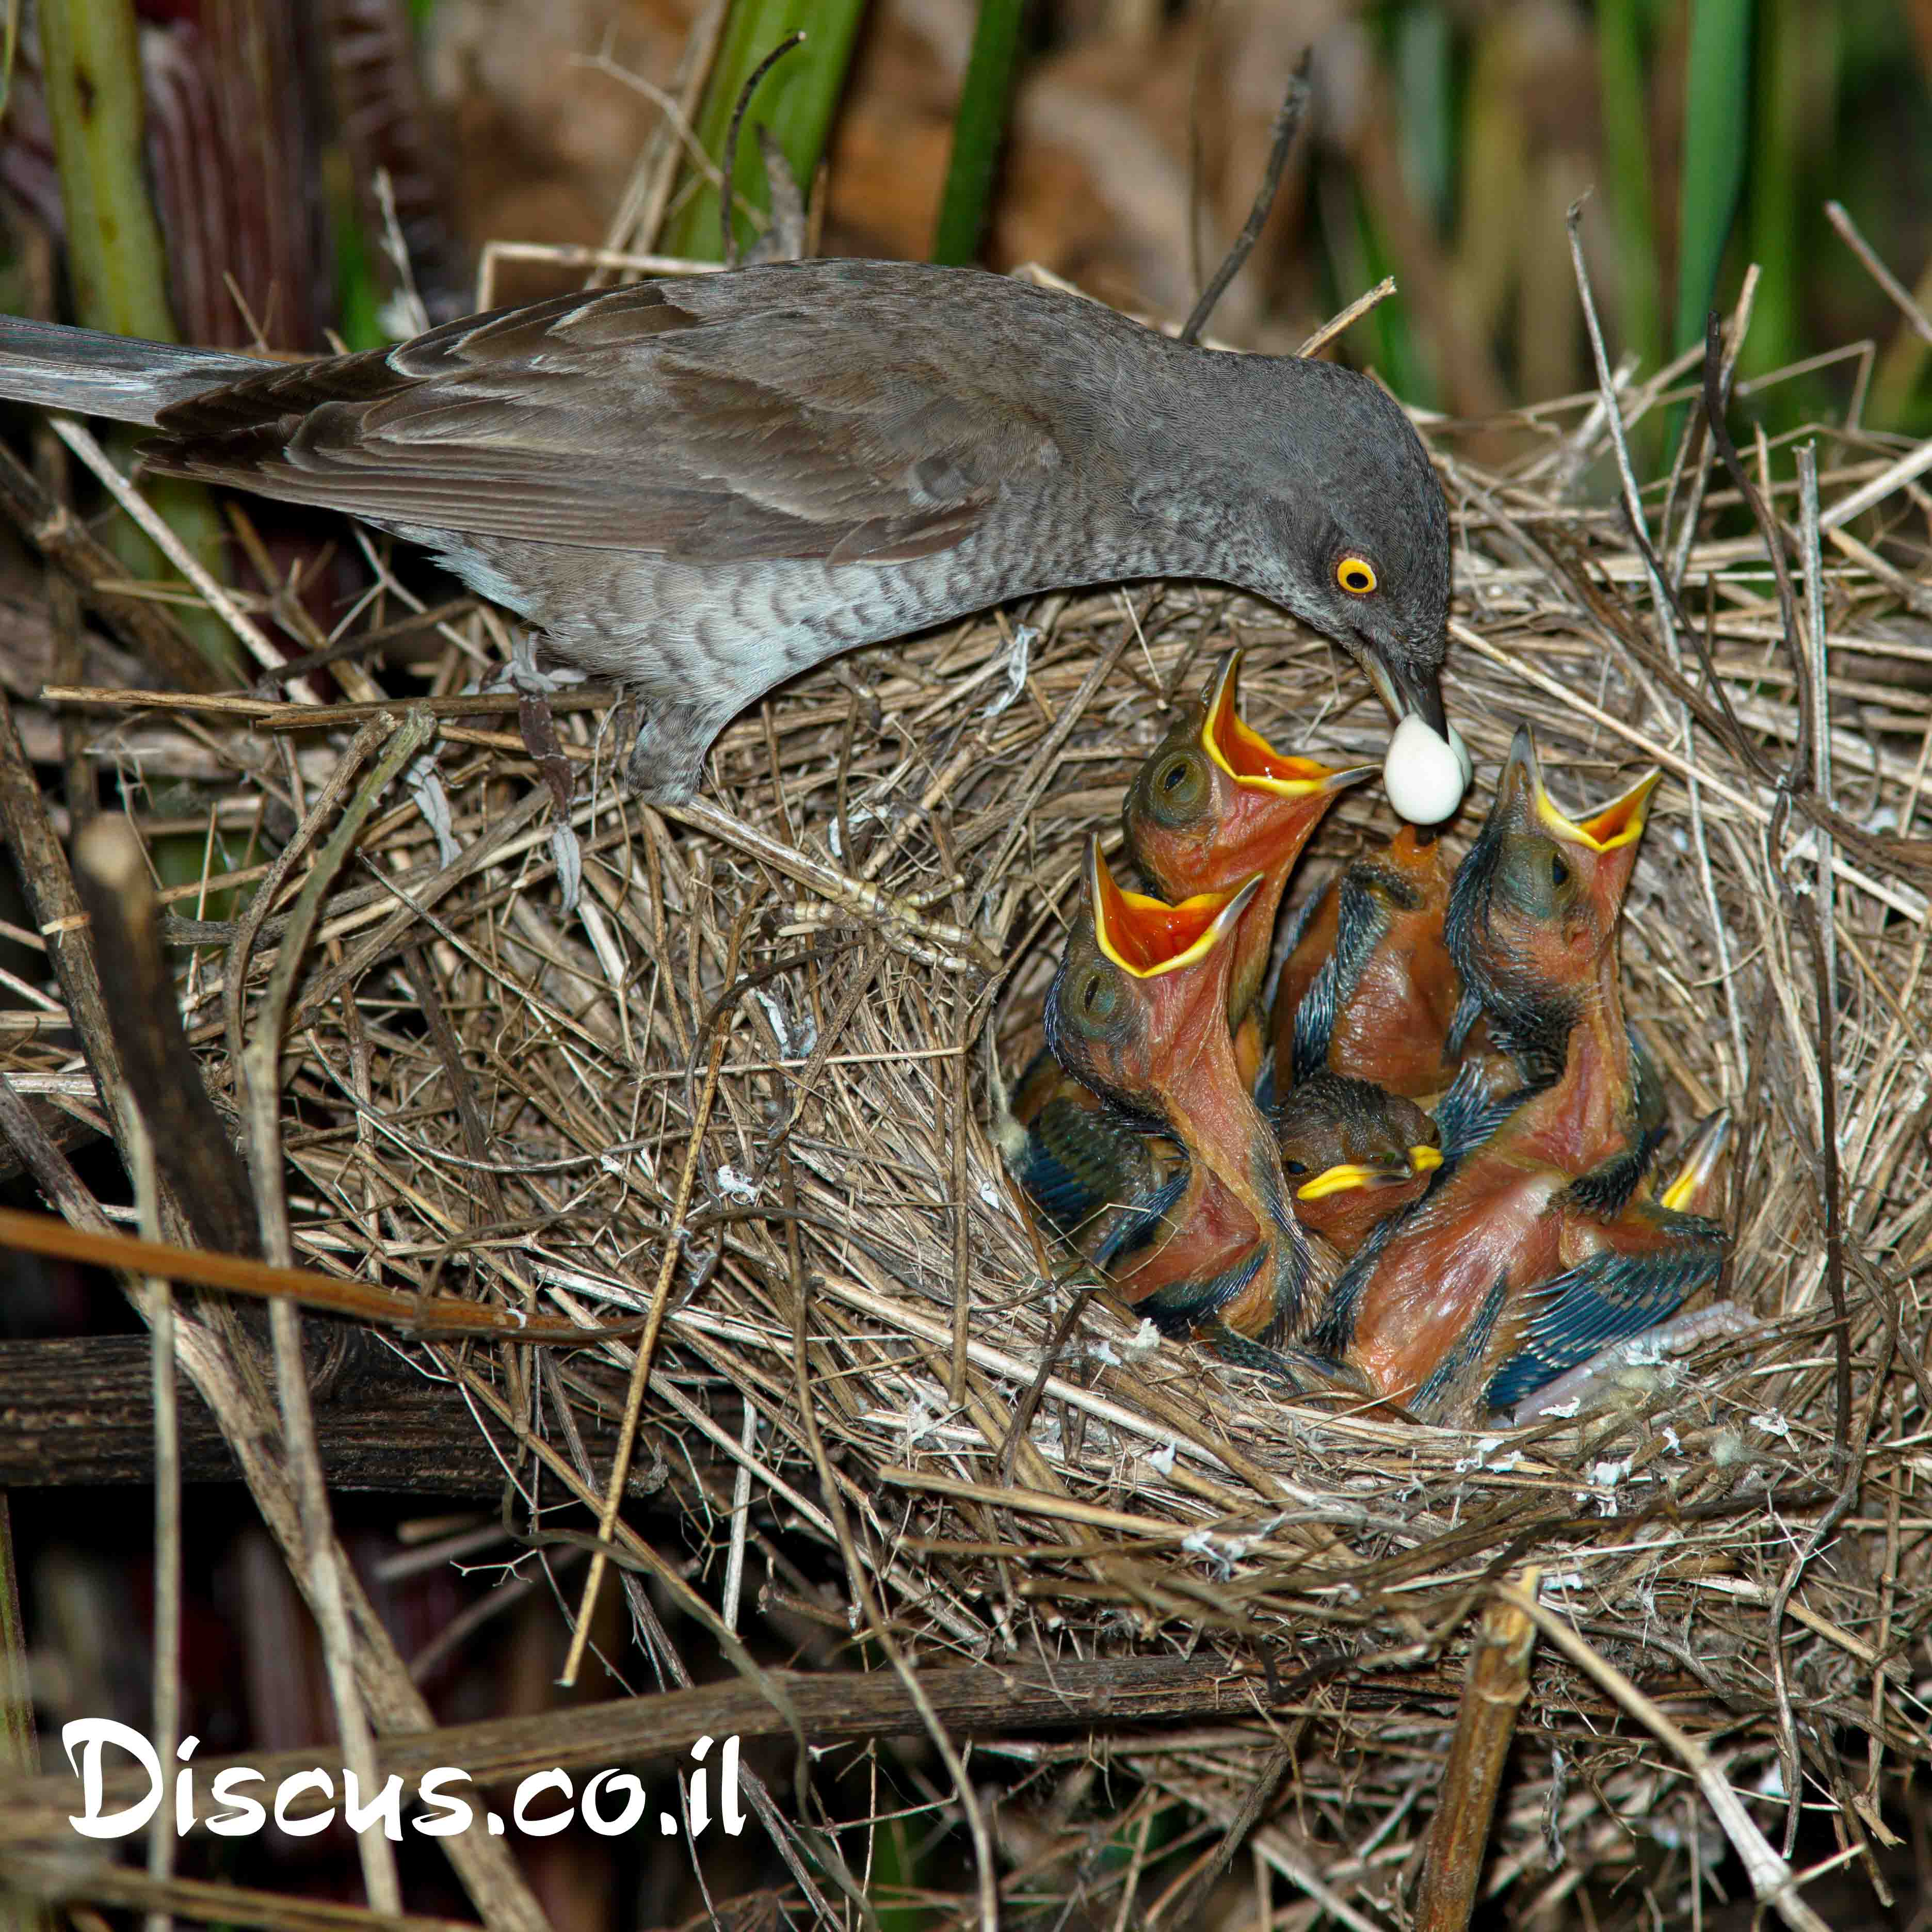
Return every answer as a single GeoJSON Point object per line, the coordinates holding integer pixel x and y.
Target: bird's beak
{"type": "Point", "coordinates": [1347, 1173]}
{"type": "Point", "coordinates": [1147, 936]}
{"type": "Point", "coordinates": [1249, 760]}
{"type": "Point", "coordinates": [1428, 767]}
{"type": "Point", "coordinates": [1339, 1179]}
{"type": "Point", "coordinates": [1521, 772]}
{"type": "Point", "coordinates": [1609, 828]}
{"type": "Point", "coordinates": [1690, 1191]}
{"type": "Point", "coordinates": [1409, 693]}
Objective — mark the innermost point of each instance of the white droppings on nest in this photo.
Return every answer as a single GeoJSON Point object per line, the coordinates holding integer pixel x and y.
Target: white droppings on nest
{"type": "Point", "coordinates": [737, 1187]}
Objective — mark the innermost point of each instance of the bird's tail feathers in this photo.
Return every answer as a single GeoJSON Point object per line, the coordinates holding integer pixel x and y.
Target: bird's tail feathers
{"type": "Point", "coordinates": [118, 377]}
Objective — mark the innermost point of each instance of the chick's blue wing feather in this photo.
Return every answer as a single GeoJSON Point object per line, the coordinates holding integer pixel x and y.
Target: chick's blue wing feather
{"type": "Point", "coordinates": [1609, 1298]}
{"type": "Point", "coordinates": [1182, 1306]}
{"type": "Point", "coordinates": [1141, 1225]}
{"type": "Point", "coordinates": [1468, 1114]}
{"type": "Point", "coordinates": [1078, 1161]}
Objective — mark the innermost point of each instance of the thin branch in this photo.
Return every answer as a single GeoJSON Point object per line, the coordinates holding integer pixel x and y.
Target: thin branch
{"type": "Point", "coordinates": [1287, 125]}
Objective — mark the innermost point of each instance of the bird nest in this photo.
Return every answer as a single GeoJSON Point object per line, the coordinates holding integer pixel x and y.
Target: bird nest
{"type": "Point", "coordinates": [742, 1068]}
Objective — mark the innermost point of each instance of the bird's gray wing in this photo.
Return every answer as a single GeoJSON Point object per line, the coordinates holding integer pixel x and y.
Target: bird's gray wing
{"type": "Point", "coordinates": [729, 419]}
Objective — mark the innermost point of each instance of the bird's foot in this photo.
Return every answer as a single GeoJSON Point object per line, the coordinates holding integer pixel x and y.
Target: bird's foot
{"type": "Point", "coordinates": [1604, 1378]}
{"type": "Point", "coordinates": [667, 761]}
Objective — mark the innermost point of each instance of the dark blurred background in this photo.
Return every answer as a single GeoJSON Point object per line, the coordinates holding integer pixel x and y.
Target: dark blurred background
{"type": "Point", "coordinates": [1445, 142]}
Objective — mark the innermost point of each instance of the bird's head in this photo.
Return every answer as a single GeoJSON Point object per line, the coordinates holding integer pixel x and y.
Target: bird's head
{"type": "Point", "coordinates": [1532, 918]}
{"type": "Point", "coordinates": [1354, 1152]}
{"type": "Point", "coordinates": [1138, 1007]}
{"type": "Point", "coordinates": [1215, 801]}
{"type": "Point", "coordinates": [1360, 540]}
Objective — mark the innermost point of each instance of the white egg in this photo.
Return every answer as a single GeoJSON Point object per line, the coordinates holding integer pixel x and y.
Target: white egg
{"type": "Point", "coordinates": [1426, 774]}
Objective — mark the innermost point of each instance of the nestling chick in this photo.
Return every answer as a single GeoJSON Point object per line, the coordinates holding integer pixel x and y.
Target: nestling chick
{"type": "Point", "coordinates": [1354, 1155]}
{"type": "Point", "coordinates": [1138, 1012]}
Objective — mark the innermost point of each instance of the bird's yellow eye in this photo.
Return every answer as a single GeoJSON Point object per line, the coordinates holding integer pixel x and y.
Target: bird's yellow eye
{"type": "Point", "coordinates": [1356, 575]}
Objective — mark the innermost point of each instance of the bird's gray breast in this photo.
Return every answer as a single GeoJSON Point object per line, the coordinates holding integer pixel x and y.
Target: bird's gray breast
{"type": "Point", "coordinates": [733, 630]}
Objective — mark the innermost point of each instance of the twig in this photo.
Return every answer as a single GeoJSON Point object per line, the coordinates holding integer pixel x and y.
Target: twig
{"type": "Point", "coordinates": [422, 1315]}
{"type": "Point", "coordinates": [1771, 1879]}
{"type": "Point", "coordinates": [1901, 296]}
{"type": "Point", "coordinates": [1817, 669]}
{"type": "Point", "coordinates": [505, 1902]}
{"type": "Point", "coordinates": [1190, 1894]}
{"type": "Point", "coordinates": [899, 923]}
{"type": "Point", "coordinates": [641, 1363]}
{"type": "Point", "coordinates": [19, 1746]}
{"type": "Point", "coordinates": [77, 439]}
{"type": "Point", "coordinates": [1336, 325]}
{"type": "Point", "coordinates": [835, 1706]}
{"type": "Point", "coordinates": [1287, 125]}
{"type": "Point", "coordinates": [639, 214]}
{"type": "Point", "coordinates": [189, 1142]}
{"type": "Point", "coordinates": [728, 172]}
{"type": "Point", "coordinates": [1909, 467]}
{"type": "Point", "coordinates": [97, 575]}
{"type": "Point", "coordinates": [1498, 1682]}
{"type": "Point", "coordinates": [1633, 500]}
{"type": "Point", "coordinates": [634, 1398]}
{"type": "Point", "coordinates": [985, 1870]}
{"type": "Point", "coordinates": [166, 1636]}
{"type": "Point", "coordinates": [258, 1074]}
{"type": "Point", "coordinates": [741, 1520]}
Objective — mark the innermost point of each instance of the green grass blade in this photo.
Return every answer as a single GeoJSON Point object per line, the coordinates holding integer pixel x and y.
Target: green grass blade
{"type": "Point", "coordinates": [1400, 355]}
{"type": "Point", "coordinates": [91, 66]}
{"type": "Point", "coordinates": [1777, 137]}
{"type": "Point", "coordinates": [978, 129]}
{"type": "Point", "coordinates": [1716, 129]}
{"type": "Point", "coordinates": [1620, 67]}
{"type": "Point", "coordinates": [9, 49]}
{"type": "Point", "coordinates": [93, 73]}
{"type": "Point", "coordinates": [796, 100]}
{"type": "Point", "coordinates": [1425, 87]}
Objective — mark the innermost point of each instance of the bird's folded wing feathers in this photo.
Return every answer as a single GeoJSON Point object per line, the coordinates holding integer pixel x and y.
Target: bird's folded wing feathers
{"type": "Point", "coordinates": [1608, 1299]}
{"type": "Point", "coordinates": [643, 418]}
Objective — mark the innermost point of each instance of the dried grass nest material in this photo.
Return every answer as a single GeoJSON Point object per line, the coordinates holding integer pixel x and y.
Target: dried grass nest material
{"type": "Point", "coordinates": [1748, 1554]}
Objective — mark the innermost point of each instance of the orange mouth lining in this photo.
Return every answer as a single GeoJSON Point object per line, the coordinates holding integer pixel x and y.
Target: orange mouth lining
{"type": "Point", "coordinates": [1622, 819]}
{"type": "Point", "coordinates": [1247, 757]}
{"type": "Point", "coordinates": [1619, 823]}
{"type": "Point", "coordinates": [1146, 936]}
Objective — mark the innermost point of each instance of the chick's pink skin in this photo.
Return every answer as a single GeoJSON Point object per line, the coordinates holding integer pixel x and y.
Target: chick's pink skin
{"type": "Point", "coordinates": [1215, 804]}
{"type": "Point", "coordinates": [1173, 1057]}
{"type": "Point", "coordinates": [1178, 1061]}
{"type": "Point", "coordinates": [1567, 958]}
{"type": "Point", "coordinates": [1452, 1296]}
{"type": "Point", "coordinates": [1392, 1026]}
{"type": "Point", "coordinates": [1345, 1220]}
{"type": "Point", "coordinates": [1446, 1262]}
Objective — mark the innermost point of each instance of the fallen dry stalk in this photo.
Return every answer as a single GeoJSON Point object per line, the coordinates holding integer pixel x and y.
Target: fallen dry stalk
{"type": "Point", "coordinates": [1479, 1748]}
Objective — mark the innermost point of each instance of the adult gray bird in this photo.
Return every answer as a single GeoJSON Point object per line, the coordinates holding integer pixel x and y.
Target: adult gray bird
{"type": "Point", "coordinates": [700, 488]}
